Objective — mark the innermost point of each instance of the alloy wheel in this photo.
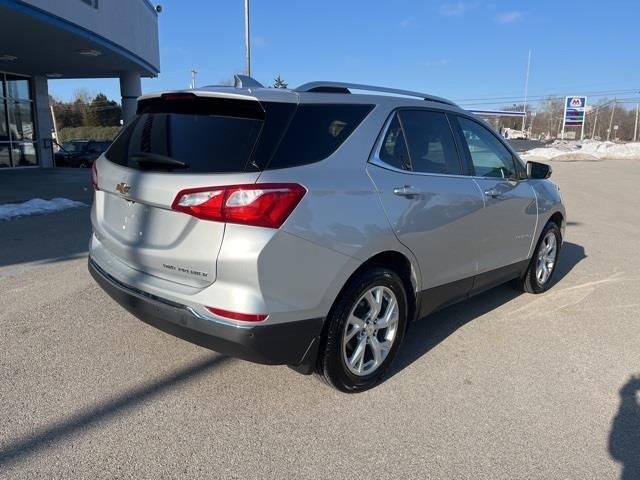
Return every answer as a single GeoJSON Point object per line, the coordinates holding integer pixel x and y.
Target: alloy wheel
{"type": "Point", "coordinates": [547, 254]}
{"type": "Point", "coordinates": [370, 331]}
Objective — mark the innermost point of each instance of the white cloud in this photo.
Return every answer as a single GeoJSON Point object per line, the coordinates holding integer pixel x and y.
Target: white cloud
{"type": "Point", "coordinates": [509, 17]}
{"type": "Point", "coordinates": [456, 8]}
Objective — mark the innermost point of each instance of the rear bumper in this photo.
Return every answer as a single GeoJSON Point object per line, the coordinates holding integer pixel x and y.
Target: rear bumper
{"type": "Point", "coordinates": [292, 343]}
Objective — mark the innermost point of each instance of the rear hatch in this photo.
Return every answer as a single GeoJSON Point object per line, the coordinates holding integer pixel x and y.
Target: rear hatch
{"type": "Point", "coordinates": [179, 141]}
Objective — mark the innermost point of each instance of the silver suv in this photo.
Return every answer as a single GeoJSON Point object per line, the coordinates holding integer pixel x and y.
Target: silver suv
{"type": "Point", "coordinates": [309, 227]}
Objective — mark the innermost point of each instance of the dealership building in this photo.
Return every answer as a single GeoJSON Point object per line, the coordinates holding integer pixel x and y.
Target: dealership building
{"type": "Point", "coordinates": [52, 39]}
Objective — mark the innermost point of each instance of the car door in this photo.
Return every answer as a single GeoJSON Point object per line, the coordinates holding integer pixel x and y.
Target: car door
{"type": "Point", "coordinates": [510, 214]}
{"type": "Point", "coordinates": [432, 207]}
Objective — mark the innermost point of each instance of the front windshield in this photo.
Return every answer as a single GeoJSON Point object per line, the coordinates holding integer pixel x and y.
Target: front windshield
{"type": "Point", "coordinates": [73, 147]}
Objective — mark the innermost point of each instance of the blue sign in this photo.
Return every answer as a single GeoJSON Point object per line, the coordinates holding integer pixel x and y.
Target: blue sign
{"type": "Point", "coordinates": [574, 109]}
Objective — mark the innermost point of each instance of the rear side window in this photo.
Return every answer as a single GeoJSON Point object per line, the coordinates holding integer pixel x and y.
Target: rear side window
{"type": "Point", "coordinates": [316, 131]}
{"type": "Point", "coordinates": [394, 151]}
{"type": "Point", "coordinates": [432, 147]}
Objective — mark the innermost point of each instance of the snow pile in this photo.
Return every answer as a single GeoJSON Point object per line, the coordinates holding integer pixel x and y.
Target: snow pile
{"type": "Point", "coordinates": [587, 150]}
{"type": "Point", "coordinates": [613, 151]}
{"type": "Point", "coordinates": [37, 206]}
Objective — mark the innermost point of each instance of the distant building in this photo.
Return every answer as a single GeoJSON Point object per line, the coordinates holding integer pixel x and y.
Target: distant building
{"type": "Point", "coordinates": [43, 39]}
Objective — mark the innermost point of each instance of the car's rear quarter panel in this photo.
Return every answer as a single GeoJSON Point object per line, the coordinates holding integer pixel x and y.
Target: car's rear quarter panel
{"type": "Point", "coordinates": [340, 219]}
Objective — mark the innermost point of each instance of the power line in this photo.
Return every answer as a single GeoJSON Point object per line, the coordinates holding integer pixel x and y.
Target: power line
{"type": "Point", "coordinates": [505, 100]}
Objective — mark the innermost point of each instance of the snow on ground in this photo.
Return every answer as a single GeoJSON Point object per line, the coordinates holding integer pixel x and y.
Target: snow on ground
{"type": "Point", "coordinates": [37, 206]}
{"type": "Point", "coordinates": [587, 150]}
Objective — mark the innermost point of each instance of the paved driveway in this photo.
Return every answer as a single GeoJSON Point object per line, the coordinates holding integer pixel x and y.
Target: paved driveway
{"type": "Point", "coordinates": [502, 386]}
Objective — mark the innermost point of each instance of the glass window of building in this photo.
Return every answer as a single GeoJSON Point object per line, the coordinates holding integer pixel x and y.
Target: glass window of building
{"type": "Point", "coordinates": [17, 128]}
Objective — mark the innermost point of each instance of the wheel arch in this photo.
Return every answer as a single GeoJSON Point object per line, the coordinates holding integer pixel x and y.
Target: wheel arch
{"type": "Point", "coordinates": [397, 262]}
{"type": "Point", "coordinates": [558, 219]}
{"type": "Point", "coordinates": [393, 260]}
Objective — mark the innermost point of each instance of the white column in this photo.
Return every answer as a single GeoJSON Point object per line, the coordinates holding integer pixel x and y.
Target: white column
{"type": "Point", "coordinates": [43, 124]}
{"type": "Point", "coordinates": [130, 89]}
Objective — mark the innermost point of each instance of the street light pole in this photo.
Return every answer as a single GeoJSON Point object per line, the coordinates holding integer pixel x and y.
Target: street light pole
{"type": "Point", "coordinates": [247, 40]}
{"type": "Point", "coordinates": [526, 91]}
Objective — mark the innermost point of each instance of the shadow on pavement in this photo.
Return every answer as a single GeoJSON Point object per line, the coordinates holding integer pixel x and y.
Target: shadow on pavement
{"type": "Point", "coordinates": [570, 255]}
{"type": "Point", "coordinates": [428, 332]}
{"type": "Point", "coordinates": [624, 439]}
{"type": "Point", "coordinates": [45, 238]}
{"type": "Point", "coordinates": [13, 451]}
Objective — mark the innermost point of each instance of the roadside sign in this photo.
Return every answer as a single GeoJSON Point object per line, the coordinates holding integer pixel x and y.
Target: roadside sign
{"type": "Point", "coordinates": [576, 102]}
{"type": "Point", "coordinates": [575, 108]}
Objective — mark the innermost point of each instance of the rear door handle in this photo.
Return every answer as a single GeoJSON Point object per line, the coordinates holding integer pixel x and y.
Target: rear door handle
{"type": "Point", "coordinates": [405, 191]}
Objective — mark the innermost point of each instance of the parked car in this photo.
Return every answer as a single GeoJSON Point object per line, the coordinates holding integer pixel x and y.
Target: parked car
{"type": "Point", "coordinates": [310, 227]}
{"type": "Point", "coordinates": [80, 153]}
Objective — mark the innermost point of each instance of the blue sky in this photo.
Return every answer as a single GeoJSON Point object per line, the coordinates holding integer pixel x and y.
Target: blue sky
{"type": "Point", "coordinates": [469, 51]}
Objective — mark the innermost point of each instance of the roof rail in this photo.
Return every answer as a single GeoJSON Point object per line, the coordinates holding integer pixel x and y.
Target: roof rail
{"type": "Point", "coordinates": [342, 87]}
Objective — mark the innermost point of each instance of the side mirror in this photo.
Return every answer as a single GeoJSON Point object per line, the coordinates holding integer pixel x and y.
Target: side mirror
{"type": "Point", "coordinates": [538, 171]}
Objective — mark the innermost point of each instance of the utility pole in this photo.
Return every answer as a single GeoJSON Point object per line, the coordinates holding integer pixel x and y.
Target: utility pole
{"type": "Point", "coordinates": [55, 124]}
{"type": "Point", "coordinates": [194, 72]}
{"type": "Point", "coordinates": [526, 91]}
{"type": "Point", "coordinates": [533, 117]}
{"type": "Point", "coordinates": [613, 111]}
{"type": "Point", "coordinates": [247, 39]}
{"type": "Point", "coordinates": [564, 119]}
{"type": "Point", "coordinates": [595, 122]}
{"type": "Point", "coordinates": [635, 129]}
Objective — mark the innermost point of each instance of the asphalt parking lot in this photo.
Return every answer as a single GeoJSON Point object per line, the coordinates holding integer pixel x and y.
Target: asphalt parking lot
{"type": "Point", "coordinates": [503, 386]}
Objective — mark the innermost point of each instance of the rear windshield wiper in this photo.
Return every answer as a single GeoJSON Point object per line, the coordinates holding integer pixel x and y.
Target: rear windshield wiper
{"type": "Point", "coordinates": [154, 159]}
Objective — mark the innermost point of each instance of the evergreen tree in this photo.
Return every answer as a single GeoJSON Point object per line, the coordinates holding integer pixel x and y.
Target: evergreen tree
{"type": "Point", "coordinates": [280, 83]}
{"type": "Point", "coordinates": [103, 112]}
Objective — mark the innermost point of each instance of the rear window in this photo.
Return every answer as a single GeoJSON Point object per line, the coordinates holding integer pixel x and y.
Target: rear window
{"type": "Point", "coordinates": [188, 134]}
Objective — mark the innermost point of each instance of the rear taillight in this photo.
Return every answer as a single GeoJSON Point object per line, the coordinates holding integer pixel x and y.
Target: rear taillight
{"type": "Point", "coordinates": [245, 317]}
{"type": "Point", "coordinates": [258, 204]}
{"type": "Point", "coordinates": [94, 175]}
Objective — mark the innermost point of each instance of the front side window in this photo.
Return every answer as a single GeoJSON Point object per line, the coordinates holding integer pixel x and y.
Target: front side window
{"type": "Point", "coordinates": [490, 158]}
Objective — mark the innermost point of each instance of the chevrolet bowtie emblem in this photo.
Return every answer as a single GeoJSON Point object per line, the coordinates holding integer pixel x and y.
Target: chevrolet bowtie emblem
{"type": "Point", "coordinates": [123, 188]}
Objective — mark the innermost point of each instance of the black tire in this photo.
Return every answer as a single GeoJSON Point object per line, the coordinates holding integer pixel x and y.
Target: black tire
{"type": "Point", "coordinates": [529, 282]}
{"type": "Point", "coordinates": [331, 363]}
